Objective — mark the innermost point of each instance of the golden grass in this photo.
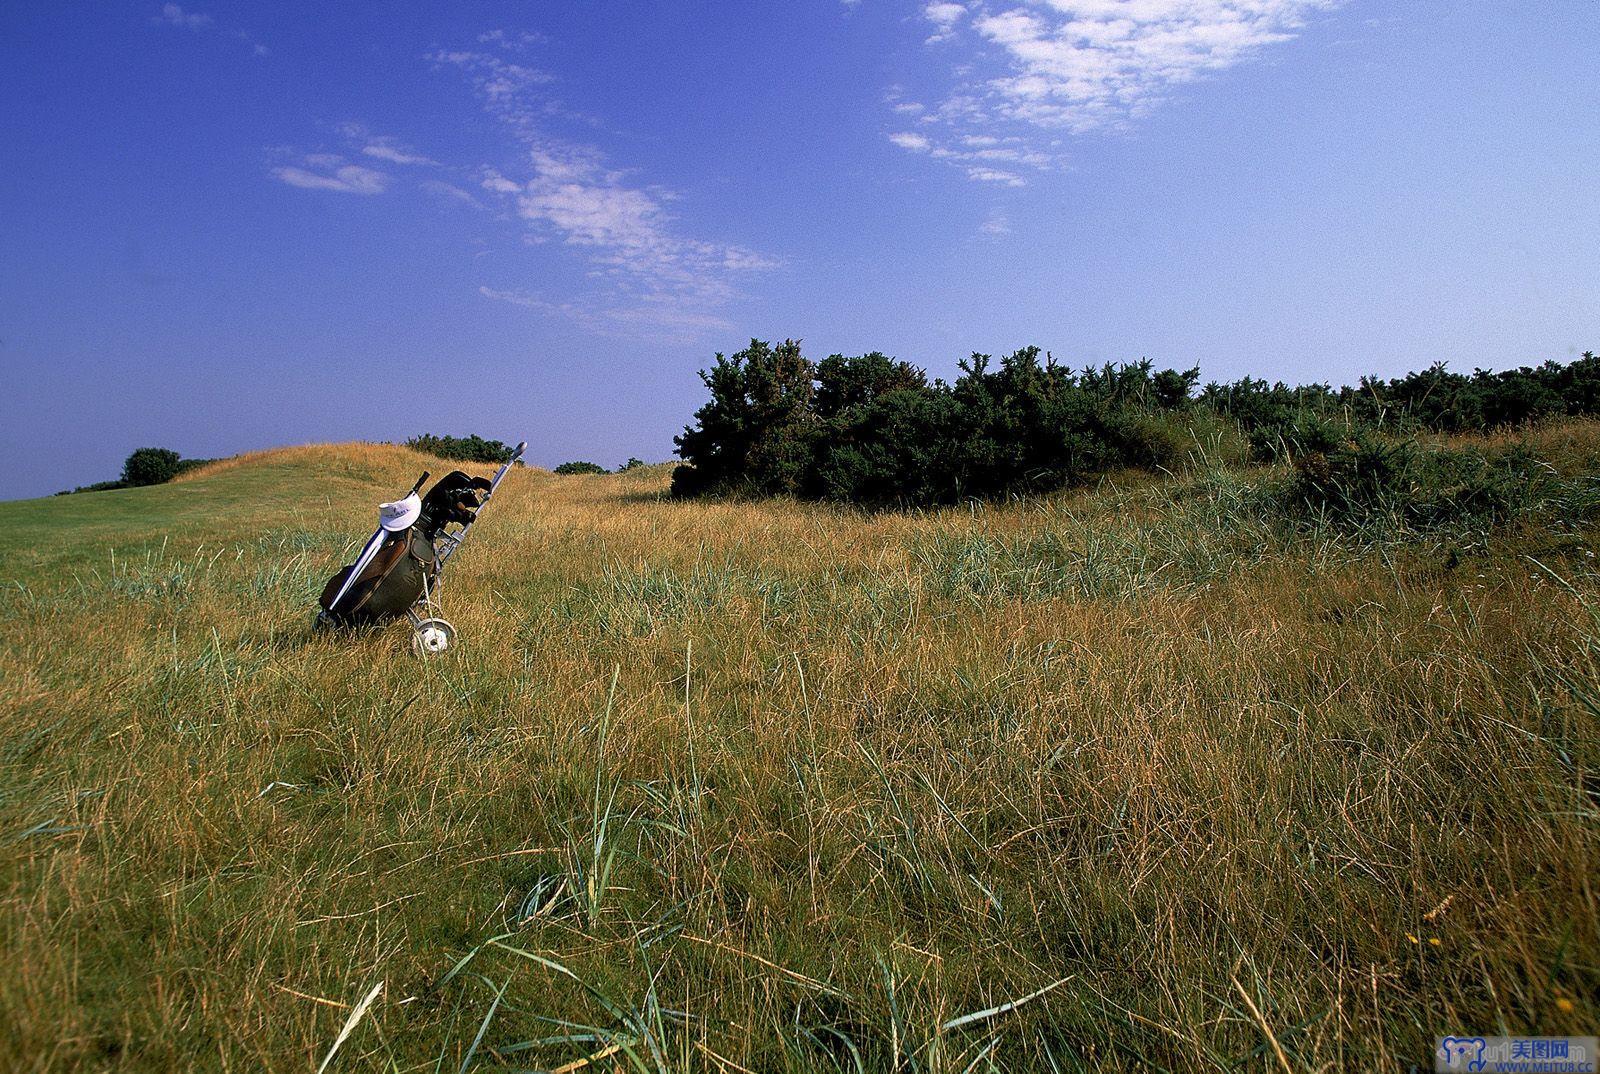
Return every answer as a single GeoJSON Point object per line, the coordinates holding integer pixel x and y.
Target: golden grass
{"type": "Point", "coordinates": [785, 787]}
{"type": "Point", "coordinates": [387, 461]}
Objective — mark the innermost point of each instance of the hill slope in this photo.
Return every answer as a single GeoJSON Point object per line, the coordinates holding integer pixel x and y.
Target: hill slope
{"type": "Point", "coordinates": [787, 787]}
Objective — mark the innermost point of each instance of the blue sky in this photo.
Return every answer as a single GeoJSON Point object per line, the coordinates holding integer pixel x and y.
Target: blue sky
{"type": "Point", "coordinates": [227, 226]}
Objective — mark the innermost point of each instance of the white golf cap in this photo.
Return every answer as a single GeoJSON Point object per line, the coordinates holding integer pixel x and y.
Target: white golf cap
{"type": "Point", "coordinates": [401, 514]}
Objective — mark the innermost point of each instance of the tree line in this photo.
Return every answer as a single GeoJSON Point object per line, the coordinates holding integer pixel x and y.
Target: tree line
{"type": "Point", "coordinates": [874, 430]}
{"type": "Point", "coordinates": [145, 466]}
{"type": "Point", "coordinates": [473, 448]}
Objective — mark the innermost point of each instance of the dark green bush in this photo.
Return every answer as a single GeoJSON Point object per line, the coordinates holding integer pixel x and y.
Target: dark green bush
{"type": "Point", "coordinates": [146, 466]}
{"type": "Point", "coordinates": [581, 468]}
{"type": "Point", "coordinates": [896, 448]}
{"type": "Point", "coordinates": [472, 448]}
{"type": "Point", "coordinates": [1153, 440]}
{"type": "Point", "coordinates": [754, 435]}
{"type": "Point", "coordinates": [873, 430]}
{"type": "Point", "coordinates": [1368, 479]}
{"type": "Point", "coordinates": [151, 466]}
{"type": "Point", "coordinates": [1474, 486]}
{"type": "Point", "coordinates": [1298, 434]}
{"type": "Point", "coordinates": [98, 486]}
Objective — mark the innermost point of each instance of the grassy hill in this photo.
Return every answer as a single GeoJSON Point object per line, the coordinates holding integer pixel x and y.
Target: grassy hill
{"type": "Point", "coordinates": [1134, 777]}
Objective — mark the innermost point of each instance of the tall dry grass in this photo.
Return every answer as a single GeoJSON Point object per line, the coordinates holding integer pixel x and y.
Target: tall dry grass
{"type": "Point", "coordinates": [1121, 780]}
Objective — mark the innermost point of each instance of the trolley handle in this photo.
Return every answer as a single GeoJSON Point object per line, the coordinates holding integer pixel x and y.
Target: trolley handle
{"type": "Point", "coordinates": [418, 486]}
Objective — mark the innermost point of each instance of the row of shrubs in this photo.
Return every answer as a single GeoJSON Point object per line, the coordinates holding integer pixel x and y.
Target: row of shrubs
{"type": "Point", "coordinates": [1282, 420]}
{"type": "Point", "coordinates": [1371, 479]}
{"type": "Point", "coordinates": [475, 448]}
{"type": "Point", "coordinates": [146, 466]}
{"type": "Point", "coordinates": [875, 431]}
{"type": "Point", "coordinates": [577, 467]}
{"type": "Point", "coordinates": [472, 448]}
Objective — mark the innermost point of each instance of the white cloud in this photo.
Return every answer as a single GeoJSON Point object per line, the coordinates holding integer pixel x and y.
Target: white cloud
{"type": "Point", "coordinates": [996, 223]}
{"type": "Point", "coordinates": [173, 15]}
{"type": "Point", "coordinates": [594, 212]}
{"type": "Point", "coordinates": [381, 146]}
{"type": "Point", "coordinates": [516, 298]}
{"type": "Point", "coordinates": [500, 81]}
{"type": "Point", "coordinates": [944, 16]}
{"type": "Point", "coordinates": [648, 273]}
{"type": "Point", "coordinates": [978, 154]}
{"type": "Point", "coordinates": [627, 230]}
{"type": "Point", "coordinates": [323, 171]}
{"type": "Point", "coordinates": [452, 192]}
{"type": "Point", "coordinates": [1077, 66]}
{"type": "Point", "coordinates": [994, 175]}
{"type": "Point", "coordinates": [498, 183]}
{"type": "Point", "coordinates": [512, 40]}
{"type": "Point", "coordinates": [385, 149]}
{"type": "Point", "coordinates": [1085, 64]}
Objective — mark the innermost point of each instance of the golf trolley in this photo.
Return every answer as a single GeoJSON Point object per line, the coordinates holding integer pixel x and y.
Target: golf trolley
{"type": "Point", "coordinates": [399, 569]}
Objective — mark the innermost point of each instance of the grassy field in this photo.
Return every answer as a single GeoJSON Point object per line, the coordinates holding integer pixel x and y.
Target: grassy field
{"type": "Point", "coordinates": [1132, 778]}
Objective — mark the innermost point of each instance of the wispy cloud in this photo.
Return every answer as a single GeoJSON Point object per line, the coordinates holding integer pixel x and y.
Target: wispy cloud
{"type": "Point", "coordinates": [996, 224]}
{"type": "Point", "coordinates": [646, 273]}
{"type": "Point", "coordinates": [649, 274]}
{"type": "Point", "coordinates": [994, 175]}
{"type": "Point", "coordinates": [945, 17]}
{"type": "Point", "coordinates": [382, 146]}
{"type": "Point", "coordinates": [451, 192]}
{"type": "Point", "coordinates": [984, 157]}
{"type": "Point", "coordinates": [500, 81]}
{"type": "Point", "coordinates": [1047, 68]}
{"type": "Point", "coordinates": [327, 171]}
{"type": "Point", "coordinates": [386, 150]}
{"type": "Point", "coordinates": [917, 143]}
{"type": "Point", "coordinates": [174, 15]}
{"type": "Point", "coordinates": [516, 298]}
{"type": "Point", "coordinates": [512, 40]}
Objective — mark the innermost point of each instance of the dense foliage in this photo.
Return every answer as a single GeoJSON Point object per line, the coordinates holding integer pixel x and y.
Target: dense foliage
{"type": "Point", "coordinates": [1370, 478]}
{"type": "Point", "coordinates": [151, 466]}
{"type": "Point", "coordinates": [874, 430]}
{"type": "Point", "coordinates": [146, 466]}
{"type": "Point", "coordinates": [98, 486]}
{"type": "Point", "coordinates": [472, 448]}
{"type": "Point", "coordinates": [1282, 421]}
{"type": "Point", "coordinates": [581, 467]}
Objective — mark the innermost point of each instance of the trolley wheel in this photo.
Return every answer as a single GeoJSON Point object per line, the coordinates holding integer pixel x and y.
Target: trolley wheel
{"type": "Point", "coordinates": [323, 621]}
{"type": "Point", "coordinates": [429, 637]}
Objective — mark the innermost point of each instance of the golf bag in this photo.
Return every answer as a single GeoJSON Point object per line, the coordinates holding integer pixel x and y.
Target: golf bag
{"type": "Point", "coordinates": [398, 569]}
{"type": "Point", "coordinates": [405, 566]}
